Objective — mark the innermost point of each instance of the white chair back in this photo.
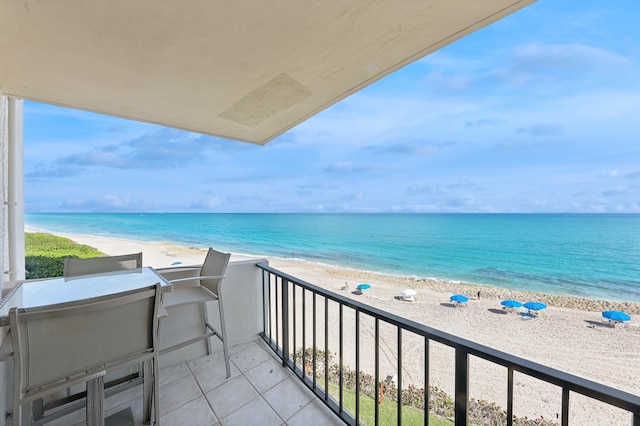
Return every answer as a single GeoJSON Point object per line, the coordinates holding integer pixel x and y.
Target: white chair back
{"type": "Point", "coordinates": [74, 267]}
{"type": "Point", "coordinates": [57, 346]}
{"type": "Point", "coordinates": [215, 265]}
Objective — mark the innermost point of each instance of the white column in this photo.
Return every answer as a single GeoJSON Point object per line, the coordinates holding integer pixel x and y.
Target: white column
{"type": "Point", "coordinates": [16, 189]}
{"type": "Point", "coordinates": [12, 142]}
{"type": "Point", "coordinates": [5, 389]}
{"type": "Point", "coordinates": [4, 146]}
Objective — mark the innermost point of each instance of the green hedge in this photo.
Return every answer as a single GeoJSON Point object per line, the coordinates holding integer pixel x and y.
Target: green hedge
{"type": "Point", "coordinates": [45, 254]}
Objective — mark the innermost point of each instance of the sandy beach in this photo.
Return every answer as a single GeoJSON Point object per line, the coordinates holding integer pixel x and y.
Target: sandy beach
{"type": "Point", "coordinates": [569, 336]}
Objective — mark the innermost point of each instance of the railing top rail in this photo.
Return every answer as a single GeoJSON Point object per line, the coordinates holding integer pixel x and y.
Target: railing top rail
{"type": "Point", "coordinates": [610, 395]}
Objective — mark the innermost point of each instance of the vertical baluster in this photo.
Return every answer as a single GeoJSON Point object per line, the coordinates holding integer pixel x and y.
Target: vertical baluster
{"type": "Point", "coordinates": [304, 333]}
{"type": "Point", "coordinates": [266, 309]}
{"type": "Point", "coordinates": [277, 299]}
{"type": "Point", "coordinates": [270, 312]}
{"type": "Point", "coordinates": [357, 366]}
{"type": "Point", "coordinates": [285, 321]}
{"type": "Point", "coordinates": [295, 330]}
{"type": "Point", "coordinates": [509, 396]}
{"type": "Point", "coordinates": [326, 348]}
{"type": "Point", "coordinates": [313, 354]}
{"type": "Point", "coordinates": [399, 375]}
{"type": "Point", "coordinates": [426, 381]}
{"type": "Point", "coordinates": [377, 372]}
{"type": "Point", "coordinates": [341, 350]}
{"type": "Point", "coordinates": [565, 407]}
{"type": "Point", "coordinates": [462, 387]}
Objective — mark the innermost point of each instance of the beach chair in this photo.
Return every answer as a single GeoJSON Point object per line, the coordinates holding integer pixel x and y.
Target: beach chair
{"type": "Point", "coordinates": [408, 295]}
{"type": "Point", "coordinates": [109, 332]}
{"type": "Point", "coordinates": [208, 289]}
{"type": "Point", "coordinates": [74, 267]}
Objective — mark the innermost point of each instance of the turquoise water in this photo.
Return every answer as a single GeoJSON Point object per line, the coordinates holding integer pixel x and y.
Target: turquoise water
{"type": "Point", "coordinates": [593, 256]}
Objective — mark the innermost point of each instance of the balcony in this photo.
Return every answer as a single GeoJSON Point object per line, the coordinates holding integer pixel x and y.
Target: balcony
{"type": "Point", "coordinates": [280, 374]}
{"type": "Point", "coordinates": [197, 393]}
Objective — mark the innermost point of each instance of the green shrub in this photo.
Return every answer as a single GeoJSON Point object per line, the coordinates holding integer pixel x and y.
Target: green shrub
{"type": "Point", "coordinates": [45, 254]}
{"type": "Point", "coordinates": [481, 413]}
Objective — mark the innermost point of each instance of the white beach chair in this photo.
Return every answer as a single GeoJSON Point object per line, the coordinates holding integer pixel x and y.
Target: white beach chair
{"type": "Point", "coordinates": [408, 295]}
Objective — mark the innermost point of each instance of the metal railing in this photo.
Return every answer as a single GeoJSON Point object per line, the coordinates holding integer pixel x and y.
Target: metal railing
{"type": "Point", "coordinates": [288, 303]}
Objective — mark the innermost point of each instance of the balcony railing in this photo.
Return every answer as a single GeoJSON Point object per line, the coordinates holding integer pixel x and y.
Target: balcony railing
{"type": "Point", "coordinates": [293, 310]}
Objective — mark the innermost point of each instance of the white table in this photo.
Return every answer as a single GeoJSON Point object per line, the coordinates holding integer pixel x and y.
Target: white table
{"type": "Point", "coordinates": [50, 291]}
{"type": "Point", "coordinates": [47, 292]}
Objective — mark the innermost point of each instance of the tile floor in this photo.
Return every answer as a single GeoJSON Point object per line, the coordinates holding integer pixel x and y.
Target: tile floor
{"type": "Point", "coordinates": [197, 393]}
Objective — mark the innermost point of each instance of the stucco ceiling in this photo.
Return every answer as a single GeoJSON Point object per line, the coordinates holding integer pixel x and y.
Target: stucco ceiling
{"type": "Point", "coordinates": [245, 69]}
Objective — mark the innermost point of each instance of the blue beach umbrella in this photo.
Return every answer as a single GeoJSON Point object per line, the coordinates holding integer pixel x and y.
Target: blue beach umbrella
{"type": "Point", "coordinates": [511, 304]}
{"type": "Point", "coordinates": [616, 316]}
{"type": "Point", "coordinates": [459, 298]}
{"type": "Point", "coordinates": [535, 306]}
{"type": "Point", "coordinates": [363, 286]}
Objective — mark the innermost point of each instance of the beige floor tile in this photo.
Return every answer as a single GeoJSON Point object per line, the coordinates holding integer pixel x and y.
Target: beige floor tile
{"type": "Point", "coordinates": [227, 398]}
{"type": "Point", "coordinates": [255, 413]}
{"type": "Point", "coordinates": [178, 393]}
{"type": "Point", "coordinates": [238, 348]}
{"type": "Point", "coordinates": [315, 414]}
{"type": "Point", "coordinates": [266, 375]}
{"type": "Point", "coordinates": [210, 371]}
{"type": "Point", "coordinates": [288, 397]}
{"type": "Point", "coordinates": [174, 372]}
{"type": "Point", "coordinates": [250, 357]}
{"type": "Point", "coordinates": [195, 413]}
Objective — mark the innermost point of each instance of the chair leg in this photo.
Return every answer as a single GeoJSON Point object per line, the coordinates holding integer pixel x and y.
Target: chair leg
{"type": "Point", "coordinates": [17, 413]}
{"type": "Point", "coordinates": [156, 390]}
{"type": "Point", "coordinates": [147, 391]}
{"type": "Point", "coordinates": [151, 392]}
{"type": "Point", "coordinates": [205, 320]}
{"type": "Point", "coordinates": [225, 346]}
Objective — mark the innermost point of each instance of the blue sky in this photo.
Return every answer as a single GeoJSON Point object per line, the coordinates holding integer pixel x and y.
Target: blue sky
{"type": "Point", "coordinates": [539, 112]}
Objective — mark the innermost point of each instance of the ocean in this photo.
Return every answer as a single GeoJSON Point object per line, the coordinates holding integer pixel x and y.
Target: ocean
{"type": "Point", "coordinates": [594, 256]}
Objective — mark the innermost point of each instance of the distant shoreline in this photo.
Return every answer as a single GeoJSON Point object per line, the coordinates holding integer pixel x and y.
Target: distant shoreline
{"type": "Point", "coordinates": [158, 254]}
{"type": "Point", "coordinates": [584, 256]}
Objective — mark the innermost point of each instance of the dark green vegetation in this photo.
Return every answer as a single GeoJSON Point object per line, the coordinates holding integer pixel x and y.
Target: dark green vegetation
{"type": "Point", "coordinates": [45, 254]}
{"type": "Point", "coordinates": [441, 405]}
{"type": "Point", "coordinates": [388, 410]}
